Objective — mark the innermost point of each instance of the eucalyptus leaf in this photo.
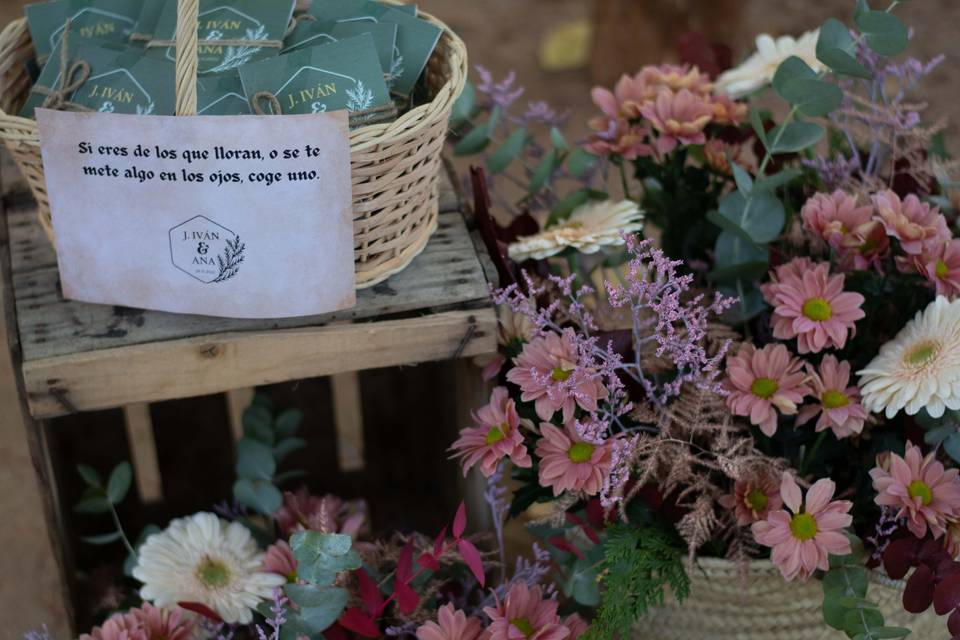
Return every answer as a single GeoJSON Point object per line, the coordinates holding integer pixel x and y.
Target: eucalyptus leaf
{"type": "Point", "coordinates": [319, 606]}
{"type": "Point", "coordinates": [581, 162]}
{"type": "Point", "coordinates": [103, 539]}
{"type": "Point", "coordinates": [255, 460]}
{"type": "Point", "coordinates": [581, 585]}
{"type": "Point", "coordinates": [795, 136]}
{"type": "Point", "coordinates": [287, 446]}
{"type": "Point", "coordinates": [857, 620]}
{"type": "Point", "coordinates": [543, 172]}
{"type": "Point", "coordinates": [479, 137]}
{"type": "Point", "coordinates": [288, 423]}
{"type": "Point", "coordinates": [812, 97]}
{"type": "Point", "coordinates": [756, 121]}
{"type": "Point", "coordinates": [90, 475]}
{"type": "Point", "coordinates": [885, 33]}
{"type": "Point", "coordinates": [743, 179]}
{"type": "Point", "coordinates": [509, 151]}
{"type": "Point", "coordinates": [761, 216]}
{"type": "Point", "coordinates": [119, 483]}
{"type": "Point", "coordinates": [952, 446]}
{"type": "Point", "coordinates": [94, 504]}
{"type": "Point", "coordinates": [464, 106]}
{"type": "Point", "coordinates": [777, 180]}
{"type": "Point", "coordinates": [260, 495]}
{"type": "Point", "coordinates": [836, 49]}
{"type": "Point", "coordinates": [558, 140]}
{"type": "Point", "coordinates": [750, 304]}
{"type": "Point", "coordinates": [258, 423]}
{"type": "Point", "coordinates": [886, 633]}
{"type": "Point", "coordinates": [793, 68]}
{"type": "Point", "coordinates": [321, 556]}
{"type": "Point", "coordinates": [732, 249]}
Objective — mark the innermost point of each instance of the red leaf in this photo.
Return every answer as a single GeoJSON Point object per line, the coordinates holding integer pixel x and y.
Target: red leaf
{"type": "Point", "coordinates": [918, 594]}
{"type": "Point", "coordinates": [471, 556]}
{"type": "Point", "coordinates": [899, 557]}
{"type": "Point", "coordinates": [202, 609]}
{"type": "Point", "coordinates": [438, 543]}
{"type": "Point", "coordinates": [429, 561]}
{"type": "Point", "coordinates": [564, 545]}
{"type": "Point", "coordinates": [407, 598]}
{"type": "Point", "coordinates": [360, 623]}
{"type": "Point", "coordinates": [460, 521]}
{"type": "Point", "coordinates": [946, 597]}
{"type": "Point", "coordinates": [335, 632]}
{"type": "Point", "coordinates": [587, 529]}
{"type": "Point", "coordinates": [369, 592]}
{"type": "Point", "coordinates": [405, 564]}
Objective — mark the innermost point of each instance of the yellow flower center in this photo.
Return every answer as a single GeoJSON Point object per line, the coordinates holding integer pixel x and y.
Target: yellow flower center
{"type": "Point", "coordinates": [524, 626]}
{"type": "Point", "coordinates": [920, 489]}
{"type": "Point", "coordinates": [496, 434]}
{"type": "Point", "coordinates": [922, 354]}
{"type": "Point", "coordinates": [764, 387]}
{"type": "Point", "coordinates": [581, 452]}
{"type": "Point", "coordinates": [213, 573]}
{"type": "Point", "coordinates": [834, 399]}
{"type": "Point", "coordinates": [803, 526]}
{"type": "Point", "coordinates": [559, 374]}
{"type": "Point", "coordinates": [757, 500]}
{"type": "Point", "coordinates": [941, 269]}
{"type": "Point", "coordinates": [817, 309]}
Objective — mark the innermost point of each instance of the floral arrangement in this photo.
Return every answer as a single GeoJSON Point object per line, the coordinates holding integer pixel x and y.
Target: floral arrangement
{"type": "Point", "coordinates": [786, 384]}
{"type": "Point", "coordinates": [281, 565]}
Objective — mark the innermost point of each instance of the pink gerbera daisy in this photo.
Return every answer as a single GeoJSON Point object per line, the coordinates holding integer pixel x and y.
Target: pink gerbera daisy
{"type": "Point", "coordinates": [279, 559]}
{"type": "Point", "coordinates": [143, 623]}
{"type": "Point", "coordinates": [549, 373]}
{"type": "Point", "coordinates": [495, 435]}
{"type": "Point", "coordinates": [803, 537]}
{"type": "Point", "coordinates": [451, 624]}
{"type": "Point", "coordinates": [914, 223]}
{"type": "Point", "coordinates": [753, 498]}
{"type": "Point", "coordinates": [524, 614]}
{"type": "Point", "coordinates": [570, 463]}
{"type": "Point", "coordinates": [941, 266]}
{"type": "Point", "coordinates": [762, 382]}
{"type": "Point", "coordinates": [837, 402]}
{"type": "Point", "coordinates": [814, 308]}
{"type": "Point", "coordinates": [927, 495]}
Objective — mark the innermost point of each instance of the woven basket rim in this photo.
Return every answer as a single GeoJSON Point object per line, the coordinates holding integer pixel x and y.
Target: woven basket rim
{"type": "Point", "coordinates": [717, 567]}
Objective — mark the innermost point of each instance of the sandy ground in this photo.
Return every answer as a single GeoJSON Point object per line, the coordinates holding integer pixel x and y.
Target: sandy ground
{"type": "Point", "coordinates": [502, 35]}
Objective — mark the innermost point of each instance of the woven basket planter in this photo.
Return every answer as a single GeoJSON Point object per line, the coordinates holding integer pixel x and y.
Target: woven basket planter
{"type": "Point", "coordinates": [762, 606]}
{"type": "Point", "coordinates": [395, 166]}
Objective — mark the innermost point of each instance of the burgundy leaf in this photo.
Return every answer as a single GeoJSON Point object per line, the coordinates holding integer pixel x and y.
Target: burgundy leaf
{"type": "Point", "coordinates": [335, 632]}
{"type": "Point", "coordinates": [407, 598]}
{"type": "Point", "coordinates": [360, 623]}
{"type": "Point", "coordinates": [564, 545]}
{"type": "Point", "coordinates": [471, 556]}
{"type": "Point", "coordinates": [369, 592]}
{"type": "Point", "coordinates": [585, 527]}
{"type": "Point", "coordinates": [202, 609]}
{"type": "Point", "coordinates": [946, 595]}
{"type": "Point", "coordinates": [522, 225]}
{"type": "Point", "coordinates": [953, 622]}
{"type": "Point", "coordinates": [460, 521]}
{"type": "Point", "coordinates": [405, 564]}
{"type": "Point", "coordinates": [438, 543]}
{"type": "Point", "coordinates": [429, 561]}
{"type": "Point", "coordinates": [918, 594]}
{"type": "Point", "coordinates": [899, 557]}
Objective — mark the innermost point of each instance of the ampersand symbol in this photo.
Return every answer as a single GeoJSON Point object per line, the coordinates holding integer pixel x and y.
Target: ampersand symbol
{"type": "Point", "coordinates": [318, 107]}
{"type": "Point", "coordinates": [203, 248]}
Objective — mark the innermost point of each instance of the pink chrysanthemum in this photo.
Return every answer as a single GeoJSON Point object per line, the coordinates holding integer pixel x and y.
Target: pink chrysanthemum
{"type": "Point", "coordinates": [914, 223]}
{"type": "Point", "coordinates": [803, 538]}
{"type": "Point", "coordinates": [848, 229]}
{"type": "Point", "coordinates": [941, 266]}
{"type": "Point", "coordinates": [279, 559]}
{"type": "Point", "coordinates": [813, 307]}
{"type": "Point", "coordinates": [675, 77]}
{"type": "Point", "coordinates": [753, 498]}
{"type": "Point", "coordinates": [302, 511]}
{"type": "Point", "coordinates": [927, 495]}
{"type": "Point", "coordinates": [577, 625]}
{"type": "Point", "coordinates": [762, 382]}
{"type": "Point", "coordinates": [451, 624]}
{"type": "Point", "coordinates": [569, 463]}
{"type": "Point", "coordinates": [549, 373]}
{"type": "Point", "coordinates": [679, 117]}
{"type": "Point", "coordinates": [628, 96]}
{"type": "Point", "coordinates": [836, 400]}
{"type": "Point", "coordinates": [524, 614]}
{"type": "Point", "coordinates": [495, 435]}
{"type": "Point", "coordinates": [144, 623]}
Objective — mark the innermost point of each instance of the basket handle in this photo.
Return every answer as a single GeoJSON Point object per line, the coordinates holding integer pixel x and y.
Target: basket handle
{"type": "Point", "coordinates": [188, 17]}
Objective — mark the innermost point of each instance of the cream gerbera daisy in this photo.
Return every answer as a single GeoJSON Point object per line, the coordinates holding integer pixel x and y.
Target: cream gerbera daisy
{"type": "Point", "coordinates": [757, 70]}
{"type": "Point", "coordinates": [589, 227]}
{"type": "Point", "coordinates": [920, 368]}
{"type": "Point", "coordinates": [203, 559]}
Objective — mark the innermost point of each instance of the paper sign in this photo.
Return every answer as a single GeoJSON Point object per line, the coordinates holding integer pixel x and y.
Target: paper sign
{"type": "Point", "coordinates": [233, 216]}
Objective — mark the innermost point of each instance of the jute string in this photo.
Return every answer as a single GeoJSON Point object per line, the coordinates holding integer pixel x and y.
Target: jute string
{"type": "Point", "coordinates": [72, 77]}
{"type": "Point", "coordinates": [188, 18]}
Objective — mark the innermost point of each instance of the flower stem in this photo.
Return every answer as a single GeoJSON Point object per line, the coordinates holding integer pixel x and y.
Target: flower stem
{"type": "Point", "coordinates": [123, 536]}
{"type": "Point", "coordinates": [808, 458]}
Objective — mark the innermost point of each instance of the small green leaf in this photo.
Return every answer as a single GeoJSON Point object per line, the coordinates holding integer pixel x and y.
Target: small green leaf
{"type": "Point", "coordinates": [952, 446]}
{"type": "Point", "coordinates": [94, 504]}
{"type": "Point", "coordinates": [559, 142]}
{"type": "Point", "coordinates": [509, 151]}
{"type": "Point", "coordinates": [464, 106]}
{"type": "Point", "coordinates": [581, 585]}
{"type": "Point", "coordinates": [813, 98]}
{"type": "Point", "coordinates": [287, 446]}
{"type": "Point", "coordinates": [568, 205]}
{"type": "Point", "coordinates": [288, 423]}
{"type": "Point", "coordinates": [761, 216]}
{"type": "Point", "coordinates": [90, 475]}
{"type": "Point", "coordinates": [886, 34]}
{"type": "Point", "coordinates": [846, 581]}
{"type": "Point", "coordinates": [756, 121]}
{"type": "Point", "coordinates": [258, 423]}
{"type": "Point", "coordinates": [581, 162]}
{"type": "Point", "coordinates": [795, 136]}
{"type": "Point", "coordinates": [884, 633]}
{"type": "Point", "coordinates": [750, 305]}
{"type": "Point", "coordinates": [119, 483]}
{"type": "Point", "coordinates": [854, 621]}
{"type": "Point", "coordinates": [321, 556]}
{"type": "Point", "coordinates": [743, 179]}
{"type": "Point", "coordinates": [777, 180]}
{"type": "Point", "coordinates": [103, 539]}
{"type": "Point", "coordinates": [255, 460]}
{"type": "Point", "coordinates": [836, 49]}
{"type": "Point", "coordinates": [319, 606]}
{"type": "Point", "coordinates": [543, 173]}
{"type": "Point", "coordinates": [258, 494]}
{"type": "Point", "coordinates": [793, 68]}
{"type": "Point", "coordinates": [479, 137]}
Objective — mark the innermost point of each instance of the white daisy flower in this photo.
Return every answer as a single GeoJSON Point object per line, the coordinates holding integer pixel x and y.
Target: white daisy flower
{"type": "Point", "coordinates": [757, 70]}
{"type": "Point", "coordinates": [920, 368]}
{"type": "Point", "coordinates": [205, 560]}
{"type": "Point", "coordinates": [589, 227]}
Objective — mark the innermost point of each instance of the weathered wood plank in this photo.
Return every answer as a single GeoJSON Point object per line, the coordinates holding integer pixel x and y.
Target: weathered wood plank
{"type": "Point", "coordinates": [216, 363]}
{"type": "Point", "coordinates": [237, 402]}
{"type": "Point", "coordinates": [348, 420]}
{"type": "Point", "coordinates": [447, 273]}
{"type": "Point", "coordinates": [143, 452]}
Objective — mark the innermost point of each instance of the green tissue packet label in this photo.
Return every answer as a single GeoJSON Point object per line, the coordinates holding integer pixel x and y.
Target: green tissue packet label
{"type": "Point", "coordinates": [342, 75]}
{"type": "Point", "coordinates": [313, 34]}
{"type": "Point", "coordinates": [149, 17]}
{"type": "Point", "coordinates": [249, 21]}
{"type": "Point", "coordinates": [416, 38]}
{"type": "Point", "coordinates": [410, 9]}
{"type": "Point", "coordinates": [121, 80]}
{"type": "Point", "coordinates": [106, 20]}
{"type": "Point", "coordinates": [222, 95]}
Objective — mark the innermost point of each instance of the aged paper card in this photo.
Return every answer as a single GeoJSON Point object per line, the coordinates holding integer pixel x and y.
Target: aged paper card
{"type": "Point", "coordinates": [233, 216]}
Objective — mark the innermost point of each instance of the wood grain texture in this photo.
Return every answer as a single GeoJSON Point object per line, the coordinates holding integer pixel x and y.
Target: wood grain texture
{"type": "Point", "coordinates": [348, 420]}
{"type": "Point", "coordinates": [143, 452]}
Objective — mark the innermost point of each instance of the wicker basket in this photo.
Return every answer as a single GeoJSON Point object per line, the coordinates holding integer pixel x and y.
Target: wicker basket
{"type": "Point", "coordinates": [725, 606]}
{"type": "Point", "coordinates": [395, 166]}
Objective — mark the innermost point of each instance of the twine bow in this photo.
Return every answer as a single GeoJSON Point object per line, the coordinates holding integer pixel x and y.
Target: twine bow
{"type": "Point", "coordinates": [72, 77]}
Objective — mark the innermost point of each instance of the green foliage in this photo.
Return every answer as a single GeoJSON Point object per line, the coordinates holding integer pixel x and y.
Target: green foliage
{"type": "Point", "coordinates": [885, 33]}
{"type": "Point", "coordinates": [267, 441]}
{"type": "Point", "coordinates": [638, 565]}
{"type": "Point", "coordinates": [836, 49]}
{"type": "Point", "coordinates": [464, 107]}
{"type": "Point", "coordinates": [509, 151]}
{"type": "Point", "coordinates": [845, 603]}
{"type": "Point", "coordinates": [943, 432]}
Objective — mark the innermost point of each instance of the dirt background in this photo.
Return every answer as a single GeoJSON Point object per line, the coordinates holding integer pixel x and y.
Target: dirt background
{"type": "Point", "coordinates": [502, 35]}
